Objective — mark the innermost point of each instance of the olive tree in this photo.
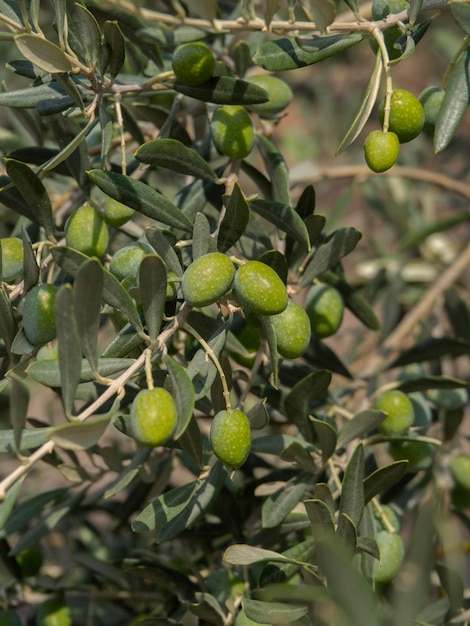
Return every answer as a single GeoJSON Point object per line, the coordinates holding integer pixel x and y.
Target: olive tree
{"type": "Point", "coordinates": [222, 404]}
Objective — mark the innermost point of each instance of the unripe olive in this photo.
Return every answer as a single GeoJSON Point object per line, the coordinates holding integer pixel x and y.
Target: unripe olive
{"type": "Point", "coordinates": [325, 308]}
{"type": "Point", "coordinates": [39, 314]}
{"type": "Point", "coordinates": [460, 469]}
{"type": "Point", "coordinates": [399, 409]}
{"type": "Point", "coordinates": [193, 63]}
{"type": "Point", "coordinates": [406, 115]}
{"type": "Point", "coordinates": [279, 92]}
{"type": "Point", "coordinates": [126, 261]}
{"type": "Point", "coordinates": [431, 99]}
{"type": "Point", "coordinates": [30, 561]}
{"type": "Point", "coordinates": [207, 279]}
{"type": "Point", "coordinates": [230, 437]}
{"type": "Point", "coordinates": [419, 454]}
{"type": "Point", "coordinates": [292, 330]}
{"type": "Point", "coordinates": [11, 249]}
{"type": "Point", "coordinates": [448, 399]}
{"type": "Point", "coordinates": [381, 150]}
{"type": "Point", "coordinates": [86, 231]}
{"type": "Point", "coordinates": [53, 612]}
{"type": "Point", "coordinates": [153, 416]}
{"type": "Point", "coordinates": [232, 131]}
{"type": "Point", "coordinates": [259, 289]}
{"type": "Point", "coordinates": [392, 553]}
{"type": "Point", "coordinates": [115, 213]}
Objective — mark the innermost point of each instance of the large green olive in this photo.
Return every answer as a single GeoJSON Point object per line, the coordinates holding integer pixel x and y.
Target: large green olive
{"type": "Point", "coordinates": [207, 279]}
{"type": "Point", "coordinates": [193, 63]}
{"type": "Point", "coordinates": [232, 131]}
{"type": "Point", "coordinates": [230, 437]}
{"type": "Point", "coordinates": [381, 150]}
{"type": "Point", "coordinates": [87, 232]}
{"type": "Point", "coordinates": [399, 409]}
{"type": "Point", "coordinates": [279, 92]}
{"type": "Point", "coordinates": [292, 330]}
{"type": "Point", "coordinates": [39, 314]}
{"type": "Point", "coordinates": [406, 115]}
{"type": "Point", "coordinates": [419, 454]}
{"type": "Point", "coordinates": [325, 308]}
{"type": "Point", "coordinates": [392, 553]}
{"type": "Point", "coordinates": [126, 261]}
{"type": "Point", "coordinates": [153, 416]}
{"type": "Point", "coordinates": [259, 289]}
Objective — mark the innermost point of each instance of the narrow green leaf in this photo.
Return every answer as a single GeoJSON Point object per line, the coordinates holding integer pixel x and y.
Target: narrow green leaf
{"type": "Point", "coordinates": [19, 402]}
{"type": "Point", "coordinates": [71, 89]}
{"type": "Point", "coordinates": [175, 156]}
{"type": "Point", "coordinates": [352, 490]}
{"type": "Point", "coordinates": [347, 530]}
{"type": "Point", "coordinates": [8, 323]}
{"type": "Point", "coordinates": [366, 106]}
{"type": "Point", "coordinates": [34, 193]}
{"type": "Point", "coordinates": [273, 612]}
{"type": "Point", "coordinates": [162, 245]}
{"type": "Point", "coordinates": [125, 342]}
{"type": "Point", "coordinates": [43, 53]}
{"type": "Point", "coordinates": [191, 442]}
{"type": "Point", "coordinates": [460, 11]}
{"type": "Point", "coordinates": [224, 90]}
{"type": "Point", "coordinates": [70, 136]}
{"type": "Point", "coordinates": [383, 478]}
{"type": "Point", "coordinates": [87, 291]}
{"type": "Point", "coordinates": [202, 240]}
{"type": "Point", "coordinates": [290, 53]}
{"type": "Point", "coordinates": [235, 220]}
{"type": "Point", "coordinates": [300, 455]}
{"type": "Point", "coordinates": [432, 349]}
{"type": "Point", "coordinates": [297, 401]}
{"type": "Point", "coordinates": [277, 170]}
{"type": "Point", "coordinates": [244, 554]}
{"type": "Point", "coordinates": [80, 435]}
{"type": "Point", "coordinates": [115, 42]}
{"type": "Point", "coordinates": [320, 517]}
{"type": "Point", "coordinates": [327, 255]}
{"type": "Point", "coordinates": [454, 104]}
{"type": "Point", "coordinates": [12, 11]}
{"type": "Point", "coordinates": [201, 370]}
{"type": "Point", "coordinates": [114, 293]}
{"type": "Point", "coordinates": [152, 289]}
{"type": "Point", "coordinates": [141, 197]}
{"type": "Point", "coordinates": [432, 382]}
{"type": "Point", "coordinates": [47, 372]}
{"type": "Point", "coordinates": [183, 393]}
{"type": "Point", "coordinates": [70, 347]}
{"type": "Point", "coordinates": [11, 197]}
{"type": "Point", "coordinates": [453, 585]}
{"type": "Point", "coordinates": [32, 508]}
{"type": "Point", "coordinates": [130, 472]}
{"type": "Point", "coordinates": [294, 558]}
{"type": "Point", "coordinates": [283, 217]}
{"type": "Point", "coordinates": [271, 340]}
{"type": "Point", "coordinates": [362, 423]}
{"type": "Point", "coordinates": [30, 266]}
{"type": "Point", "coordinates": [7, 504]}
{"type": "Point", "coordinates": [278, 505]}
{"type": "Point", "coordinates": [30, 438]}
{"type": "Point", "coordinates": [326, 437]}
{"type": "Point", "coordinates": [83, 34]}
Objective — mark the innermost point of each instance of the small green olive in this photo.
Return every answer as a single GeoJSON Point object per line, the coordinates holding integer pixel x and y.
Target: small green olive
{"type": "Point", "coordinates": [232, 131]}
{"type": "Point", "coordinates": [280, 95]}
{"type": "Point", "coordinates": [399, 409]}
{"type": "Point", "coordinates": [459, 467]}
{"type": "Point", "coordinates": [53, 612]}
{"type": "Point", "coordinates": [431, 99]}
{"type": "Point", "coordinates": [207, 279]}
{"type": "Point", "coordinates": [193, 63]}
{"type": "Point", "coordinates": [419, 454]}
{"type": "Point", "coordinates": [39, 314]}
{"type": "Point", "coordinates": [381, 150]}
{"type": "Point", "coordinates": [126, 261]}
{"type": "Point", "coordinates": [325, 308]}
{"type": "Point", "coordinates": [230, 437]}
{"type": "Point", "coordinates": [392, 552]}
{"type": "Point", "coordinates": [259, 289]}
{"type": "Point", "coordinates": [115, 213]}
{"type": "Point", "coordinates": [153, 416]}
{"type": "Point", "coordinates": [406, 115]}
{"type": "Point", "coordinates": [87, 232]}
{"type": "Point", "coordinates": [292, 330]}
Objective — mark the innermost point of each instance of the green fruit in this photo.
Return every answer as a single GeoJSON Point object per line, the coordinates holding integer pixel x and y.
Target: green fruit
{"type": "Point", "coordinates": [53, 612]}
{"type": "Point", "coordinates": [193, 63]}
{"type": "Point", "coordinates": [418, 454]}
{"type": "Point", "coordinates": [460, 469]}
{"type": "Point", "coordinates": [126, 261]}
{"type": "Point", "coordinates": [325, 308]}
{"type": "Point", "coordinates": [381, 150]}
{"type": "Point", "coordinates": [448, 399]}
{"type": "Point", "coordinates": [115, 213]}
{"type": "Point", "coordinates": [86, 231]}
{"type": "Point", "coordinates": [172, 286]}
{"type": "Point", "coordinates": [207, 279]}
{"type": "Point", "coordinates": [431, 99]}
{"type": "Point", "coordinates": [232, 131]}
{"type": "Point", "coordinates": [391, 517]}
{"type": "Point", "coordinates": [280, 95]}
{"type": "Point", "coordinates": [392, 552]}
{"type": "Point", "coordinates": [292, 330]}
{"type": "Point", "coordinates": [30, 561]}
{"type": "Point", "coordinates": [39, 314]}
{"type": "Point", "coordinates": [11, 250]}
{"type": "Point", "coordinates": [399, 409]}
{"type": "Point", "coordinates": [406, 115]}
{"type": "Point", "coordinates": [259, 289]}
{"type": "Point", "coordinates": [9, 618]}
{"type": "Point", "coordinates": [153, 416]}
{"type": "Point", "coordinates": [230, 437]}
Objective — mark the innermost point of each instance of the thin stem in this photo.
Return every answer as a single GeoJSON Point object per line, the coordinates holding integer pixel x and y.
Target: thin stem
{"type": "Point", "coordinates": [379, 38]}
{"type": "Point", "coordinates": [120, 121]}
{"type": "Point", "coordinates": [148, 368]}
{"type": "Point", "coordinates": [383, 517]}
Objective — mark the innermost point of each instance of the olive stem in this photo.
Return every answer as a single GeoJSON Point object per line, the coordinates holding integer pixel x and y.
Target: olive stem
{"type": "Point", "coordinates": [379, 38]}
{"type": "Point", "coordinates": [120, 122]}
{"type": "Point", "coordinates": [148, 368]}
{"type": "Point", "coordinates": [211, 354]}
{"type": "Point", "coordinates": [383, 518]}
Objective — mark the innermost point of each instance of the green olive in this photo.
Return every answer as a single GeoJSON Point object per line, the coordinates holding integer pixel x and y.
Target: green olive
{"type": "Point", "coordinates": [232, 131]}
{"type": "Point", "coordinates": [381, 150]}
{"type": "Point", "coordinates": [259, 289]}
{"type": "Point", "coordinates": [325, 308]}
{"type": "Point", "coordinates": [448, 399]}
{"type": "Point", "coordinates": [193, 63]}
{"type": "Point", "coordinates": [53, 612]}
{"type": "Point", "coordinates": [431, 99]}
{"type": "Point", "coordinates": [126, 261]}
{"type": "Point", "coordinates": [280, 95]}
{"type": "Point", "coordinates": [153, 416]}
{"type": "Point", "coordinates": [87, 232]}
{"type": "Point", "coordinates": [292, 330]}
{"type": "Point", "coordinates": [39, 314]}
{"type": "Point", "coordinates": [11, 250]}
{"type": "Point", "coordinates": [392, 552]}
{"type": "Point", "coordinates": [207, 279]}
{"type": "Point", "coordinates": [230, 437]}
{"type": "Point", "coordinates": [460, 469]}
{"type": "Point", "coordinates": [30, 561]}
{"type": "Point", "coordinates": [406, 115]}
{"type": "Point", "coordinates": [399, 409]}
{"type": "Point", "coordinates": [115, 213]}
{"type": "Point", "coordinates": [419, 454]}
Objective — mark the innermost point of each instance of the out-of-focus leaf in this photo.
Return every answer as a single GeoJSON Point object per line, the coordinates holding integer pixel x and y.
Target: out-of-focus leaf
{"type": "Point", "coordinates": [152, 289]}
{"type": "Point", "coordinates": [244, 554]}
{"type": "Point", "coordinates": [365, 107]}
{"type": "Point", "coordinates": [321, 12]}
{"type": "Point", "coordinates": [191, 442]}
{"type": "Point", "coordinates": [28, 97]}
{"type": "Point", "coordinates": [458, 312]}
{"type": "Point", "coordinates": [178, 509]}
{"type": "Point", "coordinates": [277, 170]}
{"type": "Point", "coordinates": [235, 220]}
{"type": "Point", "coordinates": [453, 585]}
{"type": "Point", "coordinates": [320, 517]}
{"type": "Point", "coordinates": [297, 401]}
{"type": "Point", "coordinates": [432, 382]}
{"type": "Point", "coordinates": [207, 608]}
{"type": "Point", "coordinates": [352, 489]}
{"type": "Point", "coordinates": [362, 423]}
{"type": "Point", "coordinates": [83, 34]}
{"type": "Point", "coordinates": [241, 56]}
{"type": "Point", "coordinates": [12, 11]}
{"type": "Point", "coordinates": [80, 435]}
{"type": "Point", "coordinates": [183, 393]}
{"type": "Point", "coordinates": [33, 191]}
{"type": "Point", "coordinates": [326, 437]}
{"type": "Point", "coordinates": [70, 346]}
{"type": "Point", "coordinates": [432, 349]}
{"type": "Point", "coordinates": [141, 197]}
{"type": "Point", "coordinates": [298, 454]}
{"type": "Point", "coordinates": [175, 156]}
{"type": "Point", "coordinates": [460, 11]}
{"type": "Point", "coordinates": [31, 508]}
{"type": "Point", "coordinates": [224, 90]}
{"type": "Point", "coordinates": [8, 502]}
{"type": "Point", "coordinates": [116, 45]}
{"type": "Point", "coordinates": [30, 438]}
{"type": "Point", "coordinates": [284, 217]}
{"type": "Point", "coordinates": [383, 478]}
{"type": "Point", "coordinates": [88, 289]}
{"type": "Point", "coordinates": [43, 53]}
{"type": "Point", "coordinates": [273, 612]}
{"type": "Point", "coordinates": [414, 10]}
{"type": "Point", "coordinates": [290, 53]}
{"type": "Point", "coordinates": [47, 372]}
{"type": "Point", "coordinates": [8, 323]}
{"type": "Point", "coordinates": [279, 504]}
{"type": "Point", "coordinates": [163, 247]}
{"type": "Point", "coordinates": [454, 104]}
{"type": "Point", "coordinates": [114, 294]}
{"type": "Point", "coordinates": [327, 255]}
{"type": "Point", "coordinates": [19, 402]}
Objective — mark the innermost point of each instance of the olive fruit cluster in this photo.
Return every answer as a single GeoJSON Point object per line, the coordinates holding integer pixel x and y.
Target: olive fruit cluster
{"type": "Point", "coordinates": [406, 121]}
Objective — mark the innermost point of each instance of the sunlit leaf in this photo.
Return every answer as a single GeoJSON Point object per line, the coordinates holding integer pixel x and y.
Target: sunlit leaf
{"type": "Point", "coordinates": [80, 435]}
{"type": "Point", "coordinates": [43, 53]}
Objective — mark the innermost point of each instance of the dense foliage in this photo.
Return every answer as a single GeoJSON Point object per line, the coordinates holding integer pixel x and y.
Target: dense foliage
{"type": "Point", "coordinates": [220, 403]}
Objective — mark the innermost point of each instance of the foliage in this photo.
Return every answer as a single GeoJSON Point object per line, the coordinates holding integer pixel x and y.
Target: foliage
{"type": "Point", "coordinates": [101, 140]}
